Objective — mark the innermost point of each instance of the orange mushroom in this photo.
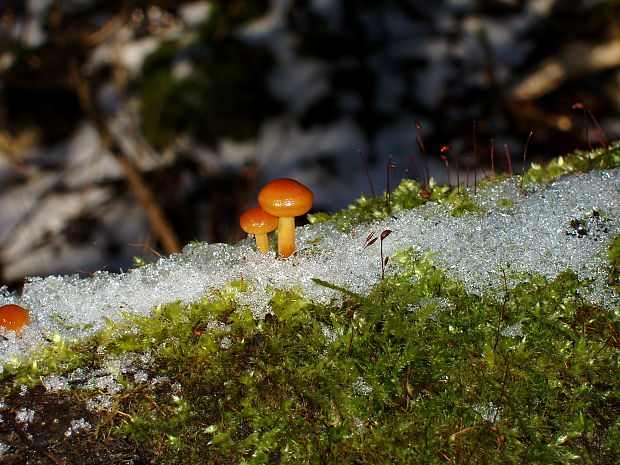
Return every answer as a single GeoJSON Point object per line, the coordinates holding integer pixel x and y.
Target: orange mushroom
{"type": "Point", "coordinates": [13, 317]}
{"type": "Point", "coordinates": [258, 222]}
{"type": "Point", "coordinates": [286, 199]}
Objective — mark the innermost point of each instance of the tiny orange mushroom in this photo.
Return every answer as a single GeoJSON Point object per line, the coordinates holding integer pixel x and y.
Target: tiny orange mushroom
{"type": "Point", "coordinates": [13, 317]}
{"type": "Point", "coordinates": [286, 199]}
{"type": "Point", "coordinates": [258, 222]}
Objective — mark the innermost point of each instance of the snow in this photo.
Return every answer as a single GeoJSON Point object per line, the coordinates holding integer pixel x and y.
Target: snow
{"type": "Point", "coordinates": [78, 425]}
{"type": "Point", "coordinates": [489, 413]}
{"type": "Point", "coordinates": [24, 415]}
{"type": "Point", "coordinates": [533, 233]}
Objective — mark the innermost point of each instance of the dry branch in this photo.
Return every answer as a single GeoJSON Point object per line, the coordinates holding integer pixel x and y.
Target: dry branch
{"type": "Point", "coordinates": [576, 60]}
{"type": "Point", "coordinates": [159, 223]}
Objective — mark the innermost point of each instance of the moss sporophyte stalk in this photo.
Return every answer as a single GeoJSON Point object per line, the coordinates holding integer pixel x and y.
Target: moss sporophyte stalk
{"type": "Point", "coordinates": [497, 365]}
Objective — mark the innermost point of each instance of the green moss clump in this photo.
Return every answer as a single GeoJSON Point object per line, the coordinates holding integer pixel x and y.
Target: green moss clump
{"type": "Point", "coordinates": [418, 371]}
{"type": "Point", "coordinates": [602, 158]}
{"type": "Point", "coordinates": [411, 372]}
{"type": "Point", "coordinates": [614, 260]}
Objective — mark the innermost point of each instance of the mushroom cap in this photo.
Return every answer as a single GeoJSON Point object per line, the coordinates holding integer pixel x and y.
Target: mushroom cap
{"type": "Point", "coordinates": [13, 317]}
{"type": "Point", "coordinates": [257, 221]}
{"type": "Point", "coordinates": [285, 197]}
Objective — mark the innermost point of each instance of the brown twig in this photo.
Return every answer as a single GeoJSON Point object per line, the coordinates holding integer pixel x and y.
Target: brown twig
{"type": "Point", "coordinates": [30, 444]}
{"type": "Point", "coordinates": [144, 246]}
{"type": "Point", "coordinates": [301, 414]}
{"type": "Point", "coordinates": [524, 155]}
{"type": "Point", "coordinates": [159, 223]}
{"type": "Point", "coordinates": [575, 60]}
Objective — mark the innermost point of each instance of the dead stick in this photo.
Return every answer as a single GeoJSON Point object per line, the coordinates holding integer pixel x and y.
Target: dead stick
{"type": "Point", "coordinates": [159, 223]}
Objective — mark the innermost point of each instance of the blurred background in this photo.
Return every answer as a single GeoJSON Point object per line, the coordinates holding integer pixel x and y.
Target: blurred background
{"type": "Point", "coordinates": [129, 128]}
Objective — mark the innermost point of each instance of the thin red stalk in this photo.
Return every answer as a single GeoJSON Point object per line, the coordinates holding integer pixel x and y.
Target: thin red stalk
{"type": "Point", "coordinates": [507, 152]}
{"type": "Point", "coordinates": [524, 155]}
{"type": "Point", "coordinates": [412, 166]}
{"type": "Point", "coordinates": [372, 189]}
{"type": "Point", "coordinates": [467, 174]}
{"type": "Point", "coordinates": [388, 198]}
{"type": "Point", "coordinates": [384, 234]}
{"type": "Point", "coordinates": [442, 150]}
{"type": "Point", "coordinates": [475, 160]}
{"type": "Point", "coordinates": [602, 138]}
{"type": "Point", "coordinates": [445, 162]}
{"type": "Point", "coordinates": [492, 158]}
{"type": "Point", "coordinates": [422, 149]}
{"type": "Point", "coordinates": [458, 175]}
{"type": "Point", "coordinates": [501, 314]}
{"type": "Point", "coordinates": [580, 106]}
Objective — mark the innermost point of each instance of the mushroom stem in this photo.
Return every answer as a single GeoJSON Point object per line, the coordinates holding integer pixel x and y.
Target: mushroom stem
{"type": "Point", "coordinates": [262, 242]}
{"type": "Point", "coordinates": [286, 235]}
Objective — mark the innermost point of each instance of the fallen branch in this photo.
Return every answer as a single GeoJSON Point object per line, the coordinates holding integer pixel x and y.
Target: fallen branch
{"type": "Point", "coordinates": [576, 60]}
{"type": "Point", "coordinates": [159, 223]}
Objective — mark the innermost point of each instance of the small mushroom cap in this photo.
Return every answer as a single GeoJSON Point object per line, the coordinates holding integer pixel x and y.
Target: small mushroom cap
{"type": "Point", "coordinates": [285, 197]}
{"type": "Point", "coordinates": [13, 317]}
{"type": "Point", "coordinates": [257, 221]}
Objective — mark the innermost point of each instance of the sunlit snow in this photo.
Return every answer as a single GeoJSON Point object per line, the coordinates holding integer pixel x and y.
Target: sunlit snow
{"type": "Point", "coordinates": [537, 230]}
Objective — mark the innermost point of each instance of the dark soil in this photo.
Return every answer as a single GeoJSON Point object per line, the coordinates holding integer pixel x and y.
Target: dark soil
{"type": "Point", "coordinates": [44, 439]}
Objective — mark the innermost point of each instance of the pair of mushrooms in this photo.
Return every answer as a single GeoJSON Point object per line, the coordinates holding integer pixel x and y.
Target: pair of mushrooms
{"type": "Point", "coordinates": [280, 202]}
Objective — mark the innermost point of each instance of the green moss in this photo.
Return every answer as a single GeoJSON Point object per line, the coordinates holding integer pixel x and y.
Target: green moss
{"type": "Point", "coordinates": [463, 202]}
{"type": "Point", "coordinates": [578, 162]}
{"type": "Point", "coordinates": [506, 203]}
{"type": "Point", "coordinates": [395, 379]}
{"type": "Point", "coordinates": [412, 373]}
{"type": "Point", "coordinates": [418, 371]}
{"type": "Point", "coordinates": [614, 260]}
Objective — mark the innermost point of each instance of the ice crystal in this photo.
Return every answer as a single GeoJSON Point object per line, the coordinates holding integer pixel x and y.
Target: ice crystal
{"type": "Point", "coordinates": [515, 330]}
{"type": "Point", "coordinates": [359, 424]}
{"type": "Point", "coordinates": [55, 383]}
{"type": "Point", "coordinates": [140, 377]}
{"type": "Point", "coordinates": [100, 402]}
{"type": "Point", "coordinates": [78, 425]}
{"type": "Point", "coordinates": [24, 415]}
{"type": "Point", "coordinates": [158, 380]}
{"type": "Point", "coordinates": [362, 387]}
{"type": "Point", "coordinates": [105, 383]}
{"type": "Point", "coordinates": [330, 334]}
{"type": "Point", "coordinates": [488, 412]}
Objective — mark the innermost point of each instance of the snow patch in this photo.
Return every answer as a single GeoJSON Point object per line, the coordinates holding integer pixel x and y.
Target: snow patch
{"type": "Point", "coordinates": [537, 231]}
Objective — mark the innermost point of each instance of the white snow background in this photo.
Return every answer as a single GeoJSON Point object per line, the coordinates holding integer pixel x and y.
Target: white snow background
{"type": "Point", "coordinates": [533, 234]}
